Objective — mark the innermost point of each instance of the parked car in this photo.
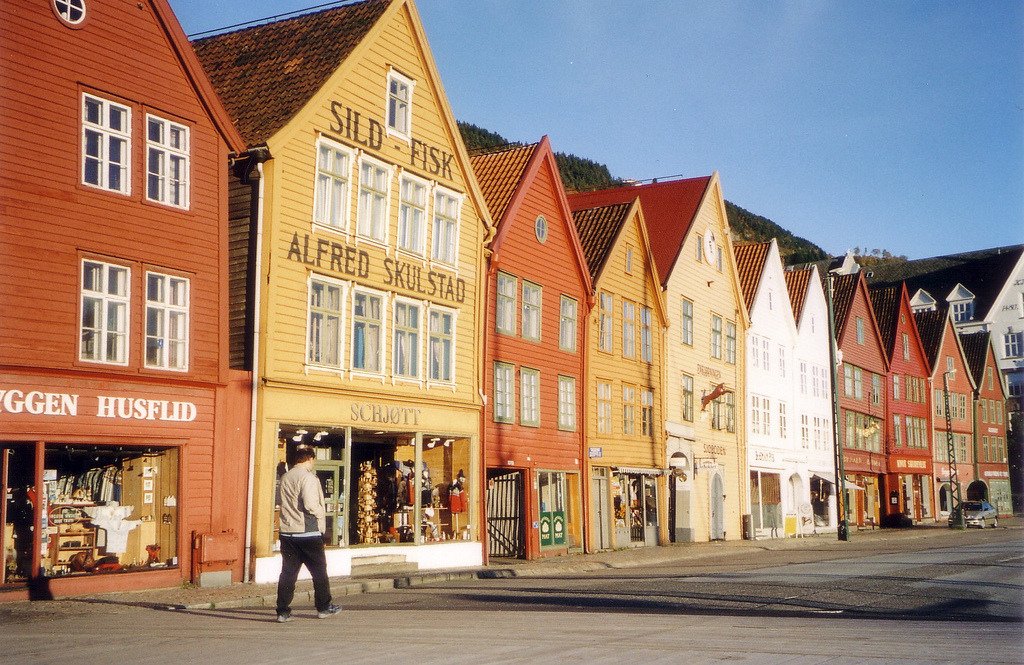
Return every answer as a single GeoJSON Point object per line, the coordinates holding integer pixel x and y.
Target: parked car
{"type": "Point", "coordinates": [978, 513]}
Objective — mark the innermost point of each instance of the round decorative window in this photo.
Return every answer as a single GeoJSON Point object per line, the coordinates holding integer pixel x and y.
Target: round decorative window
{"type": "Point", "coordinates": [540, 227]}
{"type": "Point", "coordinates": [71, 12]}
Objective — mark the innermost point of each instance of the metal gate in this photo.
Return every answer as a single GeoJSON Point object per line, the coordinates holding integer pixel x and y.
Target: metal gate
{"type": "Point", "coordinates": [505, 514]}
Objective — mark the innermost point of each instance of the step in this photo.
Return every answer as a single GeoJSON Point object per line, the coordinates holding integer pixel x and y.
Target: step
{"type": "Point", "coordinates": [377, 560]}
{"type": "Point", "coordinates": [384, 570]}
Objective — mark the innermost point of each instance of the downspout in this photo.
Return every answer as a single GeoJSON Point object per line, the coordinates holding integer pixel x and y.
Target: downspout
{"type": "Point", "coordinates": [257, 300]}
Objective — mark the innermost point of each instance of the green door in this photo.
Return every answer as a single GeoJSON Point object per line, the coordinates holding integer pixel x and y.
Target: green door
{"type": "Point", "coordinates": [332, 479]}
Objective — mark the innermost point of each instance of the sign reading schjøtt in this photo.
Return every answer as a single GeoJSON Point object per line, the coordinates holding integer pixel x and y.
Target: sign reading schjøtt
{"type": "Point", "coordinates": [39, 403]}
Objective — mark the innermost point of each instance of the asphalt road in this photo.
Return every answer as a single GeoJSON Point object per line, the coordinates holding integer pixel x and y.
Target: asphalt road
{"type": "Point", "coordinates": [957, 599]}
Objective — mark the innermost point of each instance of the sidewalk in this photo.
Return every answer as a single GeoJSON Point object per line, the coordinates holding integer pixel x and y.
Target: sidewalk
{"type": "Point", "coordinates": [256, 595]}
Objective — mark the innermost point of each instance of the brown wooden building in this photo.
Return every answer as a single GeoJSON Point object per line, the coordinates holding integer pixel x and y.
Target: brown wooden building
{"type": "Point", "coordinates": [123, 434]}
{"type": "Point", "coordinates": [538, 301]}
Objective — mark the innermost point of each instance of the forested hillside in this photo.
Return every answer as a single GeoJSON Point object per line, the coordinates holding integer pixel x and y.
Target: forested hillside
{"type": "Point", "coordinates": [579, 173]}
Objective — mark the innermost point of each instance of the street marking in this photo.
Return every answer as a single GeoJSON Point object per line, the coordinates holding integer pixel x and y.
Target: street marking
{"type": "Point", "coordinates": [1012, 558]}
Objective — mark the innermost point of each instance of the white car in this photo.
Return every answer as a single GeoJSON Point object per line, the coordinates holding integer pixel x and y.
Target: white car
{"type": "Point", "coordinates": [978, 513]}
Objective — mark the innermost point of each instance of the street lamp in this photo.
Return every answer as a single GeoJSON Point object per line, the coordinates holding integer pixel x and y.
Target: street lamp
{"type": "Point", "coordinates": [842, 527]}
{"type": "Point", "coordinates": [956, 511]}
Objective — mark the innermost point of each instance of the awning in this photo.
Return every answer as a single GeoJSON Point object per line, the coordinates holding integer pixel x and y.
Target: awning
{"type": "Point", "coordinates": [638, 470]}
{"type": "Point", "coordinates": [853, 487]}
{"type": "Point", "coordinates": [824, 477]}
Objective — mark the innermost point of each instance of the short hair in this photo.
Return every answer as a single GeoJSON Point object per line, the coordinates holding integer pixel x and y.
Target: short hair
{"type": "Point", "coordinates": [303, 454]}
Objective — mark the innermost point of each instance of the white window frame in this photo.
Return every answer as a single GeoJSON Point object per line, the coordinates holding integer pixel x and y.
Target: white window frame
{"type": "Point", "coordinates": [860, 330]}
{"type": "Point", "coordinates": [106, 301]}
{"type": "Point", "coordinates": [382, 334]}
{"type": "Point", "coordinates": [452, 340]}
{"type": "Point", "coordinates": [686, 383]}
{"type": "Point", "coordinates": [1012, 344]}
{"type": "Point", "coordinates": [783, 421]}
{"type": "Point", "coordinates": [568, 309]}
{"type": "Point", "coordinates": [906, 346]}
{"type": "Point", "coordinates": [604, 407]}
{"type": "Point", "coordinates": [168, 312]}
{"type": "Point", "coordinates": [606, 322]}
{"type": "Point", "coordinates": [628, 410]}
{"type": "Point", "coordinates": [646, 412]}
{"type": "Point", "coordinates": [504, 392]}
{"type": "Point", "coordinates": [325, 198]}
{"type": "Point", "coordinates": [566, 403]}
{"type": "Point", "coordinates": [167, 155]}
{"type": "Point", "coordinates": [716, 336]}
{"type": "Point", "coordinates": [64, 9]}
{"type": "Point", "coordinates": [390, 120]}
{"type": "Point", "coordinates": [532, 310]}
{"type": "Point", "coordinates": [106, 137]}
{"type": "Point", "coordinates": [403, 332]}
{"type": "Point", "coordinates": [506, 309]}
{"type": "Point", "coordinates": [646, 336]}
{"type": "Point", "coordinates": [805, 432]}
{"type": "Point", "coordinates": [419, 249]}
{"type": "Point", "coordinates": [628, 329]}
{"type": "Point", "coordinates": [450, 257]}
{"type": "Point", "coordinates": [362, 210]}
{"type": "Point", "coordinates": [340, 313]}
{"type": "Point", "coordinates": [529, 397]}
{"type": "Point", "coordinates": [730, 342]}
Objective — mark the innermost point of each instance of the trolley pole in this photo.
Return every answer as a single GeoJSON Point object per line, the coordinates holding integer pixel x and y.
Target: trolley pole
{"type": "Point", "coordinates": [842, 528]}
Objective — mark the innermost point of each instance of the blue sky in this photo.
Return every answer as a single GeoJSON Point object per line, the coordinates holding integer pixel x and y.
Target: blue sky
{"type": "Point", "coordinates": [893, 125]}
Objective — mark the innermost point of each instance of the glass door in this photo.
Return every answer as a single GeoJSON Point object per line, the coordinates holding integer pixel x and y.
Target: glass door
{"type": "Point", "coordinates": [17, 513]}
{"type": "Point", "coordinates": [332, 478]}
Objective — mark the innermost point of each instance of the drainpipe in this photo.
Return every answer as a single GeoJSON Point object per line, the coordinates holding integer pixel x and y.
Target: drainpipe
{"type": "Point", "coordinates": [257, 291]}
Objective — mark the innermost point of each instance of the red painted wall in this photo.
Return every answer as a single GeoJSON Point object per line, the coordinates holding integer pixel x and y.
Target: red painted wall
{"type": "Point", "coordinates": [904, 459]}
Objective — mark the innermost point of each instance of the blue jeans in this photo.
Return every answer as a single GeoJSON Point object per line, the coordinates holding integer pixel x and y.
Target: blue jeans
{"type": "Point", "coordinates": [296, 552]}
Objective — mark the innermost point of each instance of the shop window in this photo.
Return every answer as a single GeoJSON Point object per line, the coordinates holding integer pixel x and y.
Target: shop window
{"type": "Point", "coordinates": [18, 491]}
{"type": "Point", "coordinates": [444, 493]}
{"type": "Point", "coordinates": [529, 399]}
{"type": "Point", "coordinates": [406, 354]}
{"type": "Point", "coordinates": [374, 195]}
{"type": "Point", "coordinates": [412, 214]}
{"type": "Point", "coordinates": [628, 329]}
{"type": "Point", "coordinates": [444, 248]}
{"type": "Point", "coordinates": [532, 294]}
{"type": "Point", "coordinates": [399, 110]}
{"type": "Point", "coordinates": [635, 507]}
{"type": "Point", "coordinates": [566, 403]}
{"type": "Point", "coordinates": [105, 300]}
{"type": "Point", "coordinates": [367, 331]}
{"type": "Point", "coordinates": [505, 316]}
{"type": "Point", "coordinates": [326, 322]}
{"type": "Point", "coordinates": [331, 195]}
{"type": "Point", "coordinates": [109, 510]}
{"type": "Point", "coordinates": [167, 320]}
{"type": "Point", "coordinates": [106, 144]}
{"type": "Point", "coordinates": [567, 324]}
{"type": "Point", "coordinates": [167, 162]}
{"type": "Point", "coordinates": [441, 345]}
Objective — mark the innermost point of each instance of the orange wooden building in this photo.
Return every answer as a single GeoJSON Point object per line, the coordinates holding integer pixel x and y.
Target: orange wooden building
{"type": "Point", "coordinates": [538, 299]}
{"type": "Point", "coordinates": [123, 434]}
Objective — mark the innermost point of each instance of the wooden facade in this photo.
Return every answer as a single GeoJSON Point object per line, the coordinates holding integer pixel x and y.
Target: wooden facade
{"type": "Point", "coordinates": [991, 474]}
{"type": "Point", "coordinates": [89, 109]}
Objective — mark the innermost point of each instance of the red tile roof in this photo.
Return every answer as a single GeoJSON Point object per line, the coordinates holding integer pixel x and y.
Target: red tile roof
{"type": "Point", "coordinates": [669, 211]}
{"type": "Point", "coordinates": [975, 346]}
{"type": "Point", "coordinates": [844, 289]}
{"type": "Point", "coordinates": [886, 303]}
{"type": "Point", "coordinates": [265, 74]}
{"type": "Point", "coordinates": [797, 283]}
{"type": "Point", "coordinates": [499, 173]}
{"type": "Point", "coordinates": [930, 326]}
{"type": "Point", "coordinates": [598, 228]}
{"type": "Point", "coordinates": [750, 262]}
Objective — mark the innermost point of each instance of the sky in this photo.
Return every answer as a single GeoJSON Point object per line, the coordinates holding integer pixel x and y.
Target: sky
{"type": "Point", "coordinates": [888, 125]}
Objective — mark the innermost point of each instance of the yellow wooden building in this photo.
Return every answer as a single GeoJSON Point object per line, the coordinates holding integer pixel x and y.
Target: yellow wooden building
{"type": "Point", "coordinates": [625, 470]}
{"type": "Point", "coordinates": [704, 353]}
{"type": "Point", "coordinates": [359, 237]}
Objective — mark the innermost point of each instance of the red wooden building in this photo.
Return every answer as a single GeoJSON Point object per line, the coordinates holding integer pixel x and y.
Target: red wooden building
{"type": "Point", "coordinates": [908, 441]}
{"type": "Point", "coordinates": [991, 471]}
{"type": "Point", "coordinates": [535, 346]}
{"type": "Point", "coordinates": [862, 401]}
{"type": "Point", "coordinates": [123, 434]}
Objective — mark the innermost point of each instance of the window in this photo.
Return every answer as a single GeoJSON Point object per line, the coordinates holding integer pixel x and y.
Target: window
{"type": "Point", "coordinates": [105, 298]}
{"type": "Point", "coordinates": [531, 310]}
{"type": "Point", "coordinates": [441, 345]}
{"type": "Point", "coordinates": [860, 330]}
{"type": "Point", "coordinates": [374, 194]}
{"type": "Point", "coordinates": [983, 410]}
{"type": "Point", "coordinates": [412, 214]}
{"type": "Point", "coordinates": [876, 389]}
{"type": "Point", "coordinates": [325, 323]}
{"type": "Point", "coordinates": [70, 11]}
{"type": "Point", "coordinates": [567, 324]}
{"type": "Point", "coordinates": [963, 311]}
{"type": "Point", "coordinates": [805, 431]}
{"type": "Point", "coordinates": [766, 415]}
{"type": "Point", "coordinates": [399, 111]}
{"type": "Point", "coordinates": [897, 430]}
{"type": "Point", "coordinates": [1012, 344]}
{"type": "Point", "coordinates": [647, 412]}
{"type": "Point", "coordinates": [367, 332]}
{"type": "Point", "coordinates": [646, 350]}
{"type": "Point", "coordinates": [446, 227]}
{"type": "Point", "coordinates": [167, 160]}
{"type": "Point", "coordinates": [506, 306]}
{"type": "Point", "coordinates": [540, 229]}
{"type": "Point", "coordinates": [906, 346]}
{"type": "Point", "coordinates": [628, 410]}
{"type": "Point", "coordinates": [566, 403]}
{"type": "Point", "coordinates": [803, 377]}
{"type": "Point", "coordinates": [688, 321]}
{"type": "Point", "coordinates": [628, 329]}
{"type": "Point", "coordinates": [700, 249]}
{"type": "Point", "coordinates": [730, 342]}
{"type": "Point", "coordinates": [783, 433]}
{"type": "Point", "coordinates": [716, 336]}
{"type": "Point", "coordinates": [730, 412]}
{"type": "Point", "coordinates": [687, 398]}
{"type": "Point", "coordinates": [949, 364]}
{"type": "Point", "coordinates": [782, 361]}
{"type": "Point", "coordinates": [755, 355]}
{"type": "Point", "coordinates": [718, 257]}
{"type": "Point", "coordinates": [167, 308]}
{"type": "Point", "coordinates": [765, 362]}
{"type": "Point", "coordinates": [106, 144]}
{"type": "Point", "coordinates": [755, 414]}
{"type": "Point", "coordinates": [331, 196]}
{"type": "Point", "coordinates": [504, 392]}
{"type": "Point", "coordinates": [604, 408]}
{"type": "Point", "coordinates": [629, 259]}
{"type": "Point", "coordinates": [858, 383]}
{"type": "Point", "coordinates": [406, 353]}
{"type": "Point", "coordinates": [529, 398]}
{"type": "Point", "coordinates": [605, 322]}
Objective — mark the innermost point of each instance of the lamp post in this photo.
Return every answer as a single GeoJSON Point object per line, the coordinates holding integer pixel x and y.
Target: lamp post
{"type": "Point", "coordinates": [842, 527]}
{"type": "Point", "coordinates": [956, 510]}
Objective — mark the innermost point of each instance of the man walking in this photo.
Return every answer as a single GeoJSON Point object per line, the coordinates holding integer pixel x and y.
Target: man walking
{"type": "Point", "coordinates": [303, 520]}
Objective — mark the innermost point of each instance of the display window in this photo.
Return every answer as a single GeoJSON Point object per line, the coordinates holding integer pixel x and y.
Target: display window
{"type": "Point", "coordinates": [385, 487]}
{"type": "Point", "coordinates": [766, 501]}
{"type": "Point", "coordinates": [636, 508]}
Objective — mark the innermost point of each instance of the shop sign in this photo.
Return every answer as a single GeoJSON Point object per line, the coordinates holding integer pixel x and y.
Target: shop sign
{"type": "Point", "coordinates": [714, 449]}
{"type": "Point", "coordinates": [367, 412]}
{"type": "Point", "coordinates": [993, 430]}
{"type": "Point", "coordinates": [911, 464]}
{"type": "Point", "coordinates": [996, 474]}
{"type": "Point", "coordinates": [709, 371]}
{"type": "Point", "coordinates": [764, 456]}
{"type": "Point", "coordinates": [705, 463]}
{"type": "Point", "coordinates": [340, 258]}
{"type": "Point", "coordinates": [594, 452]}
{"type": "Point", "coordinates": [39, 403]}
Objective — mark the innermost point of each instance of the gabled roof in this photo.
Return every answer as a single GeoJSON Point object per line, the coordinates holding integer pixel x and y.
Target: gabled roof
{"type": "Point", "coordinates": [598, 228]}
{"type": "Point", "coordinates": [983, 272]}
{"type": "Point", "coordinates": [930, 326]}
{"type": "Point", "coordinates": [499, 174]}
{"type": "Point", "coordinates": [976, 346]}
{"type": "Point", "coordinates": [844, 288]}
{"type": "Point", "coordinates": [750, 263]}
{"type": "Point", "coordinates": [886, 302]}
{"type": "Point", "coordinates": [266, 74]}
{"type": "Point", "coordinates": [797, 283]}
{"type": "Point", "coordinates": [669, 210]}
